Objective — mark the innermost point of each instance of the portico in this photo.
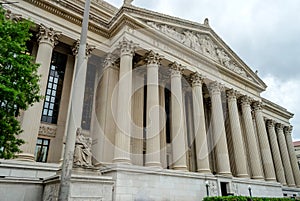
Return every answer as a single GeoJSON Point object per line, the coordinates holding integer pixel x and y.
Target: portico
{"type": "Point", "coordinates": [168, 105]}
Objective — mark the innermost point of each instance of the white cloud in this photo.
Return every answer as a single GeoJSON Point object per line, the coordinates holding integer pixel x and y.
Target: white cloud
{"type": "Point", "coordinates": [265, 34]}
{"type": "Point", "coordinates": [285, 94]}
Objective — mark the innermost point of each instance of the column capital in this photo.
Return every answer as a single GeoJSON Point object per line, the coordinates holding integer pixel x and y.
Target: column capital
{"type": "Point", "coordinates": [176, 69]}
{"type": "Point", "coordinates": [127, 47]}
{"type": "Point", "coordinates": [257, 105]}
{"type": "Point", "coordinates": [110, 61]}
{"type": "Point", "coordinates": [48, 35]}
{"type": "Point", "coordinates": [197, 79]}
{"type": "Point", "coordinates": [279, 127]}
{"type": "Point", "coordinates": [232, 94]}
{"type": "Point", "coordinates": [271, 123]}
{"type": "Point", "coordinates": [246, 100]}
{"type": "Point", "coordinates": [215, 87]}
{"type": "Point", "coordinates": [288, 130]}
{"type": "Point", "coordinates": [153, 58]}
{"type": "Point", "coordinates": [88, 50]}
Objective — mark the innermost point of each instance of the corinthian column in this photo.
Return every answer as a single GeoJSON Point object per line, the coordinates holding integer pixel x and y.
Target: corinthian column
{"type": "Point", "coordinates": [122, 139]}
{"type": "Point", "coordinates": [255, 164]}
{"type": "Point", "coordinates": [236, 133]}
{"type": "Point", "coordinates": [285, 156]}
{"type": "Point", "coordinates": [199, 124]}
{"type": "Point", "coordinates": [104, 132]}
{"type": "Point", "coordinates": [47, 38]}
{"type": "Point", "coordinates": [177, 120]}
{"type": "Point", "coordinates": [162, 120]}
{"type": "Point", "coordinates": [276, 152]}
{"type": "Point", "coordinates": [152, 132]}
{"type": "Point", "coordinates": [291, 150]}
{"type": "Point", "coordinates": [137, 132]}
{"type": "Point", "coordinates": [264, 143]}
{"type": "Point", "coordinates": [219, 133]}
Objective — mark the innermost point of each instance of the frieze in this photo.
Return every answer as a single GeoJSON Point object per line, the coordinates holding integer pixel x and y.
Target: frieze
{"type": "Point", "coordinates": [201, 43]}
{"type": "Point", "coordinates": [47, 130]}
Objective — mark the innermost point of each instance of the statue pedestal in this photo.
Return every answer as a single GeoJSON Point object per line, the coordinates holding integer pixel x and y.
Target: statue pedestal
{"type": "Point", "coordinates": [86, 184]}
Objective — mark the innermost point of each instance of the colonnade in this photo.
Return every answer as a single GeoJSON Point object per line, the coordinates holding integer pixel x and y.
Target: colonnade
{"type": "Point", "coordinates": [254, 140]}
{"type": "Point", "coordinates": [262, 150]}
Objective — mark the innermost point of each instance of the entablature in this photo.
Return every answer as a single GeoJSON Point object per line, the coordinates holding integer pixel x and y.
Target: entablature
{"type": "Point", "coordinates": [276, 112]}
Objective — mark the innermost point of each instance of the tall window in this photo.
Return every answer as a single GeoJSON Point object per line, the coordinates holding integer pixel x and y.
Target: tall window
{"type": "Point", "coordinates": [92, 69]}
{"type": "Point", "coordinates": [41, 150]}
{"type": "Point", "coordinates": [54, 88]}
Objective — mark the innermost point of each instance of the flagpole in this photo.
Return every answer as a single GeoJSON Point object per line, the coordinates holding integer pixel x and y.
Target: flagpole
{"type": "Point", "coordinates": [72, 125]}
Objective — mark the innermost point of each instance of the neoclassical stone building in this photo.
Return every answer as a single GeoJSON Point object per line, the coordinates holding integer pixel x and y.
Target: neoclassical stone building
{"type": "Point", "coordinates": [171, 111]}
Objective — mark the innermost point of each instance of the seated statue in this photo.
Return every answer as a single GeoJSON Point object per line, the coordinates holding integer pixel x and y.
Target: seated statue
{"type": "Point", "coordinates": [82, 152]}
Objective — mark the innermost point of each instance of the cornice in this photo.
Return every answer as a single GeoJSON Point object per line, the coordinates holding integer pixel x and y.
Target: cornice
{"type": "Point", "coordinates": [71, 10]}
{"type": "Point", "coordinates": [72, 13]}
{"type": "Point", "coordinates": [163, 17]}
{"type": "Point", "coordinates": [186, 24]}
{"type": "Point", "coordinates": [135, 14]}
{"type": "Point", "coordinates": [274, 108]}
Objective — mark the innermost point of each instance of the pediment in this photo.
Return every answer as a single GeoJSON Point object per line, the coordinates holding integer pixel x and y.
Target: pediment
{"type": "Point", "coordinates": [203, 44]}
{"type": "Point", "coordinates": [201, 39]}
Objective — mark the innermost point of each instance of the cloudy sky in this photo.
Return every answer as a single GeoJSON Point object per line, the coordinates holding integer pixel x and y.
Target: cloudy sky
{"type": "Point", "coordinates": [265, 34]}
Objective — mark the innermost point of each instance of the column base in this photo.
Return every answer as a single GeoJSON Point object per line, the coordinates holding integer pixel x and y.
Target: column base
{"type": "Point", "coordinates": [270, 179]}
{"type": "Point", "coordinates": [153, 164]}
{"type": "Point", "coordinates": [292, 185]}
{"type": "Point", "coordinates": [204, 171]}
{"type": "Point", "coordinates": [181, 168]}
{"type": "Point", "coordinates": [227, 174]}
{"type": "Point", "coordinates": [25, 157]}
{"type": "Point", "coordinates": [124, 161]}
{"type": "Point", "coordinates": [258, 177]}
{"type": "Point", "coordinates": [242, 175]}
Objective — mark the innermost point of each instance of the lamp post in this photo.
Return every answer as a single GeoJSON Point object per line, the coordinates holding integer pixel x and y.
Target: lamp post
{"type": "Point", "coordinates": [74, 113]}
{"type": "Point", "coordinates": [250, 191]}
{"type": "Point", "coordinates": [207, 188]}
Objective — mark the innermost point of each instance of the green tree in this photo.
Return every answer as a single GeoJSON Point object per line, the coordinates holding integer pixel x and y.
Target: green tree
{"type": "Point", "coordinates": [19, 81]}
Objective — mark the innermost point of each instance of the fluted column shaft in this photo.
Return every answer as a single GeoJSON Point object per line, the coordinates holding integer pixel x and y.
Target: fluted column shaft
{"type": "Point", "coordinates": [219, 133]}
{"type": "Point", "coordinates": [285, 156]}
{"type": "Point", "coordinates": [152, 132]}
{"type": "Point", "coordinates": [162, 120]}
{"type": "Point", "coordinates": [47, 39]}
{"type": "Point", "coordinates": [263, 140]}
{"type": "Point", "coordinates": [255, 164]}
{"type": "Point", "coordinates": [276, 153]}
{"type": "Point", "coordinates": [123, 133]}
{"type": "Point", "coordinates": [177, 120]}
{"type": "Point", "coordinates": [236, 133]}
{"type": "Point", "coordinates": [137, 136]}
{"type": "Point", "coordinates": [199, 125]}
{"type": "Point", "coordinates": [292, 154]}
{"type": "Point", "coordinates": [104, 136]}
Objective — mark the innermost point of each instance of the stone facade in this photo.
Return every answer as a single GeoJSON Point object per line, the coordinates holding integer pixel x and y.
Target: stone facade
{"type": "Point", "coordinates": [168, 106]}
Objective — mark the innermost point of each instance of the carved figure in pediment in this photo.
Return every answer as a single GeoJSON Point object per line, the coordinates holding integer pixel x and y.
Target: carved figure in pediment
{"type": "Point", "coordinates": [171, 32]}
{"type": "Point", "coordinates": [207, 46]}
{"type": "Point", "coordinates": [82, 152]}
{"type": "Point", "coordinates": [237, 69]}
{"type": "Point", "coordinates": [223, 57]}
{"type": "Point", "coordinates": [154, 25]}
{"type": "Point", "coordinates": [191, 40]}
